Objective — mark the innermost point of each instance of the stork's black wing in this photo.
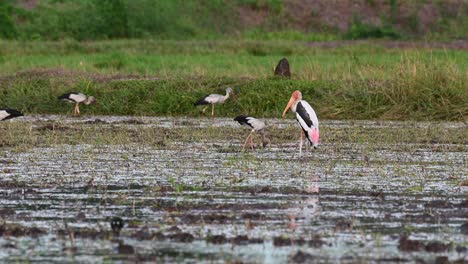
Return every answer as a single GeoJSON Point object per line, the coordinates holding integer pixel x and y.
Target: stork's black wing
{"type": "Point", "coordinates": [243, 120]}
{"type": "Point", "coordinates": [300, 109]}
{"type": "Point", "coordinates": [66, 96]}
{"type": "Point", "coordinates": [201, 101]}
{"type": "Point", "coordinates": [12, 113]}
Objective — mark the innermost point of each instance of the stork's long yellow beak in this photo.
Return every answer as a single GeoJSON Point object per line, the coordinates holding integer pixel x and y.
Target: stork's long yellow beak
{"type": "Point", "coordinates": [290, 103]}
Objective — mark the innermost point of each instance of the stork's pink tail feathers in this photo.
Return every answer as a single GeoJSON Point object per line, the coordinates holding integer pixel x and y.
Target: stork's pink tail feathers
{"type": "Point", "coordinates": [314, 136]}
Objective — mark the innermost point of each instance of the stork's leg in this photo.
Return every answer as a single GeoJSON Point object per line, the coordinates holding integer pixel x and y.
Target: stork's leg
{"type": "Point", "coordinates": [251, 142]}
{"type": "Point", "coordinates": [300, 143]}
{"type": "Point", "coordinates": [75, 109]}
{"type": "Point", "coordinates": [212, 110]}
{"type": "Point", "coordinates": [246, 140]}
{"type": "Point", "coordinates": [78, 109]}
{"type": "Point", "coordinates": [204, 109]}
{"type": "Point", "coordinates": [307, 143]}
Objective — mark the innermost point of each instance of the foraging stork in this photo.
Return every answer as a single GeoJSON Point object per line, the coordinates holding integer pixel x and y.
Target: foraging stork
{"type": "Point", "coordinates": [213, 99]}
{"type": "Point", "coordinates": [306, 117]}
{"type": "Point", "coordinates": [256, 126]}
{"type": "Point", "coordinates": [7, 113]}
{"type": "Point", "coordinates": [77, 98]}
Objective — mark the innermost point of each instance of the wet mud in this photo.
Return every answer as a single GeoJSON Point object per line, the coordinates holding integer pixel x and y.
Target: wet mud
{"type": "Point", "coordinates": [201, 200]}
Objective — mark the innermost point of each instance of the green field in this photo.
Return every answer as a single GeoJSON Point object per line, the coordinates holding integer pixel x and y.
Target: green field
{"type": "Point", "coordinates": [148, 77]}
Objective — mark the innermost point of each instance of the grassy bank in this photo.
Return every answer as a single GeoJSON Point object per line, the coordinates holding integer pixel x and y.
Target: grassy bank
{"type": "Point", "coordinates": [165, 78]}
{"type": "Point", "coordinates": [431, 97]}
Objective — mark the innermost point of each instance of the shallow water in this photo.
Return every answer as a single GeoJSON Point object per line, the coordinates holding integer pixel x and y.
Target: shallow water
{"type": "Point", "coordinates": [194, 201]}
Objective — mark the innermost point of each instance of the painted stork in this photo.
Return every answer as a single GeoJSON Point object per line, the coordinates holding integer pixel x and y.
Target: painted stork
{"type": "Point", "coordinates": [77, 98]}
{"type": "Point", "coordinates": [306, 117]}
{"type": "Point", "coordinates": [213, 99]}
{"type": "Point", "coordinates": [7, 113]}
{"type": "Point", "coordinates": [256, 126]}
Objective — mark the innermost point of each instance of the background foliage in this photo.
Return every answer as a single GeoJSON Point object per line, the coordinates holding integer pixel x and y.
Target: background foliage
{"type": "Point", "coordinates": [208, 19]}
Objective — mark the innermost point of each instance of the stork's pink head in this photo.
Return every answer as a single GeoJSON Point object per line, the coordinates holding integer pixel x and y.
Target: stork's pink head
{"type": "Point", "coordinates": [295, 96]}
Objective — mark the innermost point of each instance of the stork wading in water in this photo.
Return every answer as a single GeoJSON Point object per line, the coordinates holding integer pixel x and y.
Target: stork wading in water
{"type": "Point", "coordinates": [77, 98]}
{"type": "Point", "coordinates": [256, 126]}
{"type": "Point", "coordinates": [8, 113]}
{"type": "Point", "coordinates": [213, 99]}
{"type": "Point", "coordinates": [306, 117]}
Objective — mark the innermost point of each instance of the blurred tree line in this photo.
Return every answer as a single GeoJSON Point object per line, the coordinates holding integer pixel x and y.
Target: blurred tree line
{"type": "Point", "coordinates": [210, 19]}
{"type": "Point", "coordinates": [109, 19]}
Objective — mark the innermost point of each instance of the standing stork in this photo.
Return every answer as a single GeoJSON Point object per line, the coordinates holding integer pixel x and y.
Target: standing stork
{"type": "Point", "coordinates": [213, 99]}
{"type": "Point", "coordinates": [306, 117]}
{"type": "Point", "coordinates": [256, 126]}
{"type": "Point", "coordinates": [8, 113]}
{"type": "Point", "coordinates": [77, 98]}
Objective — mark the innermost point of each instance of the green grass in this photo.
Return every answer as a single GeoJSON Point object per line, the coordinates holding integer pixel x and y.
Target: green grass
{"type": "Point", "coordinates": [165, 78]}
{"type": "Point", "coordinates": [219, 58]}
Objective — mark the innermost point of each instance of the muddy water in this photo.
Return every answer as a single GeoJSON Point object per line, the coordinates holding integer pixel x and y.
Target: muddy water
{"type": "Point", "coordinates": [189, 202]}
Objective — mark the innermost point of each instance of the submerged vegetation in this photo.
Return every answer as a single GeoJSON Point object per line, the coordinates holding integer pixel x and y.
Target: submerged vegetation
{"type": "Point", "coordinates": [149, 132]}
{"type": "Point", "coordinates": [183, 187]}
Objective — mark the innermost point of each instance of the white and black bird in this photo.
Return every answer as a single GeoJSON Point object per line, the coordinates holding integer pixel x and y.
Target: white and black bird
{"type": "Point", "coordinates": [77, 98]}
{"type": "Point", "coordinates": [306, 117]}
{"type": "Point", "coordinates": [256, 126]}
{"type": "Point", "coordinates": [213, 99]}
{"type": "Point", "coordinates": [8, 113]}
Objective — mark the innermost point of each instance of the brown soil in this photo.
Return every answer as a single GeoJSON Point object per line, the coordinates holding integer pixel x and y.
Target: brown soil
{"type": "Point", "coordinates": [418, 17]}
{"type": "Point", "coordinates": [125, 249]}
{"type": "Point", "coordinates": [217, 239]}
{"type": "Point", "coordinates": [16, 230]}
{"type": "Point", "coordinates": [456, 45]}
{"type": "Point", "coordinates": [182, 237]}
{"type": "Point", "coordinates": [282, 241]}
{"type": "Point", "coordinates": [302, 257]}
{"type": "Point", "coordinates": [406, 244]}
{"type": "Point", "coordinates": [240, 240]}
{"type": "Point", "coordinates": [52, 127]}
{"type": "Point", "coordinates": [437, 247]}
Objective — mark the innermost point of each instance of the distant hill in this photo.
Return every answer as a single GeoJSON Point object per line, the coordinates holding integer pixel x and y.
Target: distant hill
{"type": "Point", "coordinates": [258, 19]}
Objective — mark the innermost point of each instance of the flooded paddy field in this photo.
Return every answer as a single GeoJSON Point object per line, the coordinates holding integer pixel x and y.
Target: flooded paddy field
{"type": "Point", "coordinates": [373, 191]}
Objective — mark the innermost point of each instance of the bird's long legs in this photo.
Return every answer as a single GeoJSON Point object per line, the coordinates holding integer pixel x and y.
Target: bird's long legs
{"type": "Point", "coordinates": [212, 110]}
{"type": "Point", "coordinates": [246, 140]}
{"type": "Point", "coordinates": [75, 110]}
{"type": "Point", "coordinates": [78, 109]}
{"type": "Point", "coordinates": [251, 142]}
{"type": "Point", "coordinates": [300, 143]}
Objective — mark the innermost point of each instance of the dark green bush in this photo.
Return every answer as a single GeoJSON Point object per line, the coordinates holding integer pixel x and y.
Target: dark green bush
{"type": "Point", "coordinates": [359, 30]}
{"type": "Point", "coordinates": [7, 27]}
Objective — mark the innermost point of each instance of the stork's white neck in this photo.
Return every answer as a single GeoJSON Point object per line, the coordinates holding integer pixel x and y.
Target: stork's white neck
{"type": "Point", "coordinates": [227, 95]}
{"type": "Point", "coordinates": [294, 106]}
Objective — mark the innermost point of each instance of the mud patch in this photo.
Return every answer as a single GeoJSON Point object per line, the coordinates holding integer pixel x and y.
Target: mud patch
{"type": "Point", "coordinates": [203, 199]}
{"type": "Point", "coordinates": [16, 230]}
